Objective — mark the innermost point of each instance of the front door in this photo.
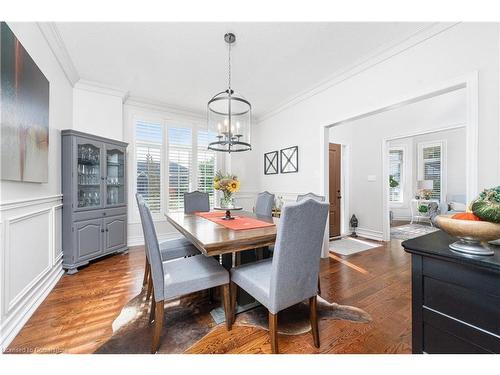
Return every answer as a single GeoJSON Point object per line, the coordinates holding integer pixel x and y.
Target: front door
{"type": "Point", "coordinates": [334, 192]}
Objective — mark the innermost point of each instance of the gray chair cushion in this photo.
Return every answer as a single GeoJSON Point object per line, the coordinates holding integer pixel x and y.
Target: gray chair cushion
{"type": "Point", "coordinates": [189, 275]}
{"type": "Point", "coordinates": [264, 204]}
{"type": "Point", "coordinates": [177, 248]}
{"type": "Point", "coordinates": [196, 201]}
{"type": "Point", "coordinates": [255, 279]}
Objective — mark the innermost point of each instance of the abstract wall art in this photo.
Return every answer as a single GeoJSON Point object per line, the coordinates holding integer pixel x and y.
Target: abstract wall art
{"type": "Point", "coordinates": [24, 113]}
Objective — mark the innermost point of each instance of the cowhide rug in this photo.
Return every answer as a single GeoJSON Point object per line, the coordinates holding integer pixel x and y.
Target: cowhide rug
{"type": "Point", "coordinates": [188, 320]}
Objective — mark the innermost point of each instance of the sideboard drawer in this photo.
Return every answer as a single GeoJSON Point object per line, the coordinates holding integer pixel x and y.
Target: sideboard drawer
{"type": "Point", "coordinates": [437, 341]}
{"type": "Point", "coordinates": [442, 334]}
{"type": "Point", "coordinates": [470, 306]}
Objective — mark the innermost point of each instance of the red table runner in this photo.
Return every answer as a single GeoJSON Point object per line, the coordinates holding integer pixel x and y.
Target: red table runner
{"type": "Point", "coordinates": [239, 222]}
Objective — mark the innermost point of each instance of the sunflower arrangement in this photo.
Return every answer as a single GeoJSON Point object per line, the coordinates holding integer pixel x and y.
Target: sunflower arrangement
{"type": "Point", "coordinates": [228, 184]}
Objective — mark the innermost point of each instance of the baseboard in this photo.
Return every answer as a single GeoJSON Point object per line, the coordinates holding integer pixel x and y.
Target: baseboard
{"type": "Point", "coordinates": [370, 234]}
{"type": "Point", "coordinates": [13, 324]}
{"type": "Point", "coordinates": [402, 218]}
{"type": "Point", "coordinates": [139, 240]}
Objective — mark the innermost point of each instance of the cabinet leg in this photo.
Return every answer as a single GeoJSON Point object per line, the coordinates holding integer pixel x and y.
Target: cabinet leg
{"type": "Point", "coordinates": [71, 271]}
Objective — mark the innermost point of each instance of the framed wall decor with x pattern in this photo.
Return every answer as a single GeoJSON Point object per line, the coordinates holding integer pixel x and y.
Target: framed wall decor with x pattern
{"type": "Point", "coordinates": [289, 158]}
{"type": "Point", "coordinates": [271, 162]}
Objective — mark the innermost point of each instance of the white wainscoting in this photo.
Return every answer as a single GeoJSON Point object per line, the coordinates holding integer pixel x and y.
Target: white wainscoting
{"type": "Point", "coordinates": [246, 199]}
{"type": "Point", "coordinates": [31, 259]}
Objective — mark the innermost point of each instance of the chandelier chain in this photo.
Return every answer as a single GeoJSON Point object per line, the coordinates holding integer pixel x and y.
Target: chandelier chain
{"type": "Point", "coordinates": [229, 68]}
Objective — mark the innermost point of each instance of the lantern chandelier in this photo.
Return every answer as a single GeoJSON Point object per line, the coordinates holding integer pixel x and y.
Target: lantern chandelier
{"type": "Point", "coordinates": [229, 116]}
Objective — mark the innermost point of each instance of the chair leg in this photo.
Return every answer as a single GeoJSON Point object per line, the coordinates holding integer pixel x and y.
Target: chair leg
{"type": "Point", "coordinates": [226, 297]}
{"type": "Point", "coordinates": [233, 293]}
{"type": "Point", "coordinates": [273, 331]}
{"type": "Point", "coordinates": [313, 316]}
{"type": "Point", "coordinates": [152, 310]}
{"type": "Point", "coordinates": [319, 286]}
{"type": "Point", "coordinates": [259, 253]}
{"type": "Point", "coordinates": [150, 287]}
{"type": "Point", "coordinates": [146, 273]}
{"type": "Point", "coordinates": [155, 345]}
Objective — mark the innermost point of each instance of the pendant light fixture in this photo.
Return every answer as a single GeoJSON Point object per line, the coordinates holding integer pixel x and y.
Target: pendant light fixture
{"type": "Point", "coordinates": [229, 116]}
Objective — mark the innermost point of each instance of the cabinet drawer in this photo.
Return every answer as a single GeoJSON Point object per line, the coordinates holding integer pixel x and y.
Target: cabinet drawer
{"type": "Point", "coordinates": [99, 214]}
{"type": "Point", "coordinates": [473, 307]}
{"type": "Point", "coordinates": [437, 341]}
{"type": "Point", "coordinates": [443, 334]}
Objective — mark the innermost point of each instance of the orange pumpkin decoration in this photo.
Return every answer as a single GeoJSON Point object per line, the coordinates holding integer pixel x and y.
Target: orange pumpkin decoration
{"type": "Point", "coordinates": [466, 216]}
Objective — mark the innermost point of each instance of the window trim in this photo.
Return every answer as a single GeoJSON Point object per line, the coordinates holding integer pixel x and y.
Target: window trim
{"type": "Point", "coordinates": [403, 175]}
{"type": "Point", "coordinates": [443, 160]}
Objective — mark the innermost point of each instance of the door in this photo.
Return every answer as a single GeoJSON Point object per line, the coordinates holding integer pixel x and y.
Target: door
{"type": "Point", "coordinates": [89, 187]}
{"type": "Point", "coordinates": [115, 233]}
{"type": "Point", "coordinates": [335, 151]}
{"type": "Point", "coordinates": [115, 176]}
{"type": "Point", "coordinates": [88, 237]}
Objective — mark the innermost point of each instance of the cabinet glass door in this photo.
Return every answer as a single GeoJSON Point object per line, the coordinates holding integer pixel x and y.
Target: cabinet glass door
{"type": "Point", "coordinates": [115, 172]}
{"type": "Point", "coordinates": [88, 174]}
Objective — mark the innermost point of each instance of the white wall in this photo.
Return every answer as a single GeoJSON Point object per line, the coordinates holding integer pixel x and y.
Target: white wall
{"type": "Point", "coordinates": [454, 157]}
{"type": "Point", "coordinates": [98, 110]}
{"type": "Point", "coordinates": [451, 53]}
{"type": "Point", "coordinates": [30, 212]}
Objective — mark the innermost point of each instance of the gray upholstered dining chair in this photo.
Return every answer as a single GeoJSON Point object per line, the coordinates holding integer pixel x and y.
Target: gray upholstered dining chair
{"type": "Point", "coordinates": [319, 198]}
{"type": "Point", "coordinates": [291, 275]}
{"type": "Point", "coordinates": [196, 201]}
{"type": "Point", "coordinates": [264, 204]}
{"type": "Point", "coordinates": [171, 249]}
{"type": "Point", "coordinates": [178, 277]}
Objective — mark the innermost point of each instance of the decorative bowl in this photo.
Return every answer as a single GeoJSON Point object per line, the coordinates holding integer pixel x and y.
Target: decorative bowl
{"type": "Point", "coordinates": [472, 235]}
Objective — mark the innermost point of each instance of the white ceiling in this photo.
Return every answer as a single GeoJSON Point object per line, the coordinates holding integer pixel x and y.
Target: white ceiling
{"type": "Point", "coordinates": [184, 64]}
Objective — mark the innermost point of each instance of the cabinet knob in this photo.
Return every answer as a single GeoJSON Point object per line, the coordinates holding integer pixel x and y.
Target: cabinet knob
{"type": "Point", "coordinates": [102, 230]}
{"type": "Point", "coordinates": [104, 214]}
{"type": "Point", "coordinates": [107, 230]}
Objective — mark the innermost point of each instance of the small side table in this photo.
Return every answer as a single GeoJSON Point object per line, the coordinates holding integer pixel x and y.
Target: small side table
{"type": "Point", "coordinates": [415, 214]}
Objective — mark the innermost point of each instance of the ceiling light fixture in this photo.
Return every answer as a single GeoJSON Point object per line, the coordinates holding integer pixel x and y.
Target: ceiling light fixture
{"type": "Point", "coordinates": [229, 116]}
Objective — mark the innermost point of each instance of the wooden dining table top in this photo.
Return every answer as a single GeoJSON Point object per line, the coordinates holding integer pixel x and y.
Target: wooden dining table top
{"type": "Point", "coordinates": [214, 239]}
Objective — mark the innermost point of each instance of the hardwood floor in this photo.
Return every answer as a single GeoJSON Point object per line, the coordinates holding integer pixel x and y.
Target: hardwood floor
{"type": "Point", "coordinates": [77, 315]}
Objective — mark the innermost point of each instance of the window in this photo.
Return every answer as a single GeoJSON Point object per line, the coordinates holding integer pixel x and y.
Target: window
{"type": "Point", "coordinates": [396, 160]}
{"type": "Point", "coordinates": [180, 153]}
{"type": "Point", "coordinates": [206, 165]}
{"type": "Point", "coordinates": [430, 168]}
{"type": "Point", "coordinates": [149, 138]}
{"type": "Point", "coordinates": [172, 160]}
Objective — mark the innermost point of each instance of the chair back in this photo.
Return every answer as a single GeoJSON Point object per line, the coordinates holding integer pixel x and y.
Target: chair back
{"type": "Point", "coordinates": [196, 201]}
{"type": "Point", "coordinates": [295, 264]}
{"type": "Point", "coordinates": [318, 198]}
{"type": "Point", "coordinates": [264, 204]}
{"type": "Point", "coordinates": [152, 250]}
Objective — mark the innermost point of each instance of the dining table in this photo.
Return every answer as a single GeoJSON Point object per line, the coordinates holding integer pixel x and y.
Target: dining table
{"type": "Point", "coordinates": [232, 245]}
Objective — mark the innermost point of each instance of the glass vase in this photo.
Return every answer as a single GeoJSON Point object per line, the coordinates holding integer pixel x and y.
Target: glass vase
{"type": "Point", "coordinates": [227, 201]}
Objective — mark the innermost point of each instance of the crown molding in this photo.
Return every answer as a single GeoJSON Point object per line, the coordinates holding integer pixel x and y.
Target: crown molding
{"type": "Point", "coordinates": [157, 105]}
{"type": "Point", "coordinates": [378, 56]}
{"type": "Point", "coordinates": [101, 88]}
{"type": "Point", "coordinates": [56, 44]}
